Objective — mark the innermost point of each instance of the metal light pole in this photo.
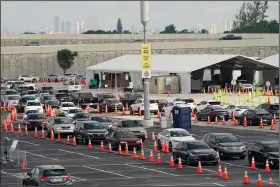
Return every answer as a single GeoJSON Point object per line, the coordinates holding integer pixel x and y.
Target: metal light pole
{"type": "Point", "coordinates": [145, 19]}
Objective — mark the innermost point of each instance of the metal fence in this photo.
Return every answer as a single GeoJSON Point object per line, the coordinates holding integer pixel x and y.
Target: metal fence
{"type": "Point", "coordinates": [15, 157]}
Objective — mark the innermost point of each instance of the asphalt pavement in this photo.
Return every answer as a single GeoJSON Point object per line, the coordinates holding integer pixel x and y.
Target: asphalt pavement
{"type": "Point", "coordinates": [90, 167]}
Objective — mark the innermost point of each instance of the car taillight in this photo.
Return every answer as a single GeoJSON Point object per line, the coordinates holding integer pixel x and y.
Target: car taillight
{"type": "Point", "coordinates": [44, 178]}
{"type": "Point", "coordinates": [68, 176]}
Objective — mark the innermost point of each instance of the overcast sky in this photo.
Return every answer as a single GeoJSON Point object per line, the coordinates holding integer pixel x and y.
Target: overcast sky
{"type": "Point", "coordinates": [34, 15]}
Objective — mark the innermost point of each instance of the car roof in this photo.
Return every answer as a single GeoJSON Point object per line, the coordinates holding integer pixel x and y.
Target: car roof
{"type": "Point", "coordinates": [59, 117]}
{"type": "Point", "coordinates": [10, 90]}
{"type": "Point", "coordinates": [194, 141]}
{"type": "Point", "coordinates": [269, 142]}
{"type": "Point", "coordinates": [33, 101]}
{"type": "Point", "coordinates": [13, 95]}
{"type": "Point", "coordinates": [28, 96]}
{"type": "Point", "coordinates": [175, 129]}
{"type": "Point", "coordinates": [75, 109]}
{"type": "Point", "coordinates": [116, 129]}
{"type": "Point", "coordinates": [221, 134]}
{"type": "Point", "coordinates": [212, 101]}
{"type": "Point", "coordinates": [90, 121]}
{"type": "Point", "coordinates": [66, 102]}
{"type": "Point", "coordinates": [46, 167]}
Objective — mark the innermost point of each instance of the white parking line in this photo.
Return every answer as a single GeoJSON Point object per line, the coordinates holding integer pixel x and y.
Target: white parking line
{"type": "Point", "coordinates": [89, 156]}
{"type": "Point", "coordinates": [29, 143]}
{"type": "Point", "coordinates": [113, 173]}
{"type": "Point", "coordinates": [218, 184]}
{"type": "Point", "coordinates": [42, 156]}
{"type": "Point", "coordinates": [237, 165]}
{"type": "Point", "coordinates": [148, 169]}
{"type": "Point", "coordinates": [17, 175]}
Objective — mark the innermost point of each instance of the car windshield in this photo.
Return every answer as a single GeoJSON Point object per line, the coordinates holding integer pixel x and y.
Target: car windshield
{"type": "Point", "coordinates": [74, 111]}
{"type": "Point", "coordinates": [31, 92]}
{"type": "Point", "coordinates": [88, 126]}
{"type": "Point", "coordinates": [53, 102]}
{"type": "Point", "coordinates": [31, 111]}
{"type": "Point", "coordinates": [215, 103]}
{"type": "Point", "coordinates": [226, 139]}
{"type": "Point", "coordinates": [130, 123]}
{"type": "Point", "coordinates": [15, 97]}
{"type": "Point", "coordinates": [274, 107]}
{"type": "Point", "coordinates": [108, 96]}
{"type": "Point", "coordinates": [11, 92]}
{"type": "Point", "coordinates": [48, 97]}
{"type": "Point", "coordinates": [125, 134]}
{"type": "Point", "coordinates": [179, 133]}
{"type": "Point", "coordinates": [47, 88]}
{"type": "Point", "coordinates": [61, 95]}
{"type": "Point", "coordinates": [24, 100]}
{"type": "Point", "coordinates": [100, 119]}
{"type": "Point", "coordinates": [62, 121]}
{"type": "Point", "coordinates": [197, 145]}
{"type": "Point", "coordinates": [35, 116]}
{"type": "Point", "coordinates": [86, 94]}
{"type": "Point", "coordinates": [68, 105]}
{"type": "Point", "coordinates": [243, 107]}
{"type": "Point", "coordinates": [272, 148]}
{"type": "Point", "coordinates": [188, 100]}
{"type": "Point", "coordinates": [113, 101]}
{"type": "Point", "coordinates": [31, 103]}
{"type": "Point", "coordinates": [55, 172]}
{"type": "Point", "coordinates": [82, 115]}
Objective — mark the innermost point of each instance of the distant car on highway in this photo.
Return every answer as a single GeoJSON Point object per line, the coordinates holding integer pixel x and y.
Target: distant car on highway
{"type": "Point", "coordinates": [237, 110]}
{"type": "Point", "coordinates": [47, 175]}
{"type": "Point", "coordinates": [28, 78]}
{"type": "Point", "coordinates": [102, 96]}
{"type": "Point", "coordinates": [32, 44]}
{"type": "Point", "coordinates": [62, 97]}
{"type": "Point", "coordinates": [81, 116]}
{"type": "Point", "coordinates": [161, 103]}
{"type": "Point", "coordinates": [129, 98]}
{"type": "Point", "coordinates": [189, 102]}
{"type": "Point", "coordinates": [203, 104]}
{"type": "Point", "coordinates": [173, 136]}
{"type": "Point", "coordinates": [35, 120]}
{"type": "Point", "coordinates": [104, 120]}
{"type": "Point", "coordinates": [55, 78]}
{"type": "Point", "coordinates": [45, 98]}
{"type": "Point", "coordinates": [47, 89]}
{"type": "Point", "coordinates": [62, 125]}
{"type": "Point", "coordinates": [231, 37]}
{"type": "Point", "coordinates": [213, 112]}
{"type": "Point", "coordinates": [52, 103]}
{"type": "Point", "coordinates": [191, 152]}
{"type": "Point", "coordinates": [254, 117]}
{"type": "Point", "coordinates": [167, 110]}
{"type": "Point", "coordinates": [138, 106]}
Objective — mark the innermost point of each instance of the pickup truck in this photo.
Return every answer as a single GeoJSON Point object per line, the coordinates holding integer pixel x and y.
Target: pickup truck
{"type": "Point", "coordinates": [231, 37]}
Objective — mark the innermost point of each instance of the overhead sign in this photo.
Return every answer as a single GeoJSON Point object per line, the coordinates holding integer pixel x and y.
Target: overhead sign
{"type": "Point", "coordinates": [233, 82]}
{"type": "Point", "coordinates": [146, 61]}
{"type": "Point", "coordinates": [267, 83]}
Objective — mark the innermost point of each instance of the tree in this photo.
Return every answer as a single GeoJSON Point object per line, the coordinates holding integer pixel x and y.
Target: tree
{"type": "Point", "coordinates": [119, 26]}
{"type": "Point", "coordinates": [29, 32]}
{"type": "Point", "coordinates": [203, 31]}
{"type": "Point", "coordinates": [170, 29]}
{"type": "Point", "coordinates": [65, 59]}
{"type": "Point", "coordinates": [184, 31]}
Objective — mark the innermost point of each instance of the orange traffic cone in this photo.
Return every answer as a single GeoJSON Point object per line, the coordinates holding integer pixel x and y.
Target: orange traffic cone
{"type": "Point", "coordinates": [12, 128]}
{"type": "Point", "coordinates": [120, 150]}
{"type": "Point", "coordinates": [23, 165]}
{"type": "Point", "coordinates": [233, 117]}
{"type": "Point", "coordinates": [126, 153]}
{"type": "Point", "coordinates": [220, 173]}
{"type": "Point", "coordinates": [259, 183]}
{"type": "Point", "coordinates": [225, 175]}
{"type": "Point", "coordinates": [245, 122]}
{"type": "Point", "coordinates": [89, 144]}
{"type": "Point", "coordinates": [193, 115]}
{"type": "Point", "coordinates": [58, 137]}
{"type": "Point", "coordinates": [166, 150]}
{"type": "Point", "coordinates": [36, 133]}
{"type": "Point", "coordinates": [208, 120]}
{"type": "Point", "coordinates": [162, 147]}
{"type": "Point", "coordinates": [272, 126]}
{"type": "Point", "coordinates": [110, 148]}
{"type": "Point", "coordinates": [171, 164]}
{"type": "Point", "coordinates": [52, 136]}
{"type": "Point", "coordinates": [158, 158]}
{"type": "Point", "coordinates": [25, 131]}
{"type": "Point", "coordinates": [261, 124]}
{"type": "Point", "coordinates": [146, 135]}
{"type": "Point", "coordinates": [153, 137]}
{"type": "Point", "coordinates": [74, 143]}
{"type": "Point", "coordinates": [68, 140]}
{"type": "Point", "coordinates": [151, 159]}
{"type": "Point", "coordinates": [134, 154]}
{"type": "Point", "coordinates": [216, 120]}
{"type": "Point", "coordinates": [155, 146]}
{"type": "Point", "coordinates": [246, 179]}
{"type": "Point", "coordinates": [195, 119]}
{"type": "Point", "coordinates": [101, 146]}
{"type": "Point", "coordinates": [142, 156]}
{"type": "Point", "coordinates": [19, 129]}
{"type": "Point", "coordinates": [123, 111]}
{"type": "Point", "coordinates": [180, 165]}
{"type": "Point", "coordinates": [267, 169]}
{"type": "Point", "coordinates": [223, 121]}
{"type": "Point", "coordinates": [274, 119]}
{"type": "Point", "coordinates": [43, 134]}
{"type": "Point", "coordinates": [270, 183]}
{"type": "Point", "coordinates": [5, 128]}
{"type": "Point", "coordinates": [199, 168]}
{"type": "Point", "coordinates": [106, 109]}
{"type": "Point", "coordinates": [158, 114]}
{"type": "Point", "coordinates": [253, 164]}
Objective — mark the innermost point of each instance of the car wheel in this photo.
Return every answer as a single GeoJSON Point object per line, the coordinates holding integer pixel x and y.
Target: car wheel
{"type": "Point", "coordinates": [21, 79]}
{"type": "Point", "coordinates": [189, 161]}
{"type": "Point", "coordinates": [242, 157]}
{"type": "Point", "coordinates": [170, 146]}
{"type": "Point", "coordinates": [130, 111]}
{"type": "Point", "coordinates": [159, 144]}
{"type": "Point", "coordinates": [34, 80]}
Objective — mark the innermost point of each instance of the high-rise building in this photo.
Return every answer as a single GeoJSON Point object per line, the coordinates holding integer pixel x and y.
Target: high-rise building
{"type": "Point", "coordinates": [213, 29]}
{"type": "Point", "coordinates": [82, 27]}
{"type": "Point", "coordinates": [78, 29]}
{"type": "Point", "coordinates": [226, 25]}
{"type": "Point", "coordinates": [68, 27]}
{"type": "Point", "coordinates": [56, 24]}
{"type": "Point", "coordinates": [63, 26]}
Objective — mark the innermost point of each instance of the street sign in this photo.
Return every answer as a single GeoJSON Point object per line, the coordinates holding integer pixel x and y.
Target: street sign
{"type": "Point", "coordinates": [146, 61]}
{"type": "Point", "coordinates": [267, 83]}
{"type": "Point", "coordinates": [233, 82]}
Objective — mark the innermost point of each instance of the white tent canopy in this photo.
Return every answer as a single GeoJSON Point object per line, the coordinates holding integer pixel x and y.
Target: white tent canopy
{"type": "Point", "coordinates": [272, 60]}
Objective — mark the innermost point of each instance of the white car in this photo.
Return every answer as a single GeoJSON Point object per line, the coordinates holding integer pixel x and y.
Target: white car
{"type": "Point", "coordinates": [65, 106]}
{"type": "Point", "coordinates": [71, 112]}
{"type": "Point", "coordinates": [13, 99]}
{"type": "Point", "coordinates": [31, 111]}
{"type": "Point", "coordinates": [138, 105]}
{"type": "Point", "coordinates": [28, 78]}
{"type": "Point", "coordinates": [189, 102]}
{"type": "Point", "coordinates": [34, 105]}
{"type": "Point", "coordinates": [200, 106]}
{"type": "Point", "coordinates": [167, 110]}
{"type": "Point", "coordinates": [236, 109]}
{"type": "Point", "coordinates": [172, 136]}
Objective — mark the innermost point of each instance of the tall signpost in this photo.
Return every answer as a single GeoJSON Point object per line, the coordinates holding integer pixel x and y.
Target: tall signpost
{"type": "Point", "coordinates": [146, 63]}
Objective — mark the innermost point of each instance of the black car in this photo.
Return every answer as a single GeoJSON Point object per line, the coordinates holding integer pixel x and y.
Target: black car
{"type": "Point", "coordinates": [193, 151]}
{"type": "Point", "coordinates": [213, 112]}
{"type": "Point", "coordinates": [52, 103]}
{"type": "Point", "coordinates": [271, 108]}
{"type": "Point", "coordinates": [63, 97]}
{"type": "Point", "coordinates": [129, 98]}
{"type": "Point", "coordinates": [47, 175]}
{"type": "Point", "coordinates": [104, 120]}
{"type": "Point", "coordinates": [22, 102]}
{"type": "Point", "coordinates": [111, 104]}
{"type": "Point", "coordinates": [226, 144]}
{"type": "Point", "coordinates": [33, 92]}
{"type": "Point", "coordinates": [10, 92]}
{"type": "Point", "coordinates": [265, 150]}
{"type": "Point", "coordinates": [84, 99]}
{"type": "Point", "coordinates": [92, 130]}
{"type": "Point", "coordinates": [134, 126]}
{"type": "Point", "coordinates": [102, 96]}
{"type": "Point", "coordinates": [254, 117]}
{"type": "Point", "coordinates": [161, 103]}
{"type": "Point", "coordinates": [45, 98]}
{"type": "Point", "coordinates": [47, 89]}
{"type": "Point", "coordinates": [81, 116]}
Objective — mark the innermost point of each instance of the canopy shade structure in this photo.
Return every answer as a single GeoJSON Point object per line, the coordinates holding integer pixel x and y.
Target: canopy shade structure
{"type": "Point", "coordinates": [179, 63]}
{"type": "Point", "coordinates": [272, 60]}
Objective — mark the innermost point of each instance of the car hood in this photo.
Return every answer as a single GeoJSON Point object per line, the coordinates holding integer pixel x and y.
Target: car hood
{"type": "Point", "coordinates": [66, 108]}
{"type": "Point", "coordinates": [276, 154]}
{"type": "Point", "coordinates": [96, 131]}
{"type": "Point", "coordinates": [129, 139]}
{"type": "Point", "coordinates": [231, 144]}
{"type": "Point", "coordinates": [81, 119]}
{"type": "Point", "coordinates": [64, 125]}
{"type": "Point", "coordinates": [106, 123]}
{"type": "Point", "coordinates": [141, 129]}
{"type": "Point", "coordinates": [203, 151]}
{"type": "Point", "coordinates": [33, 107]}
{"type": "Point", "coordinates": [37, 120]}
{"type": "Point", "coordinates": [185, 138]}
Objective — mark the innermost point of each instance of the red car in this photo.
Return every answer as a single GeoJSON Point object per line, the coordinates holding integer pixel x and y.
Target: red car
{"type": "Point", "coordinates": [35, 120]}
{"type": "Point", "coordinates": [122, 137]}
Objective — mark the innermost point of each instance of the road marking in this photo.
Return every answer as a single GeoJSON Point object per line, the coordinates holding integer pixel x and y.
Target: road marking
{"type": "Point", "coordinates": [89, 156]}
{"type": "Point", "coordinates": [148, 169]}
{"type": "Point", "coordinates": [29, 143]}
{"type": "Point", "coordinates": [237, 165]}
{"type": "Point", "coordinates": [42, 156]}
{"type": "Point", "coordinates": [17, 175]}
{"type": "Point", "coordinates": [219, 184]}
{"type": "Point", "coordinates": [113, 173]}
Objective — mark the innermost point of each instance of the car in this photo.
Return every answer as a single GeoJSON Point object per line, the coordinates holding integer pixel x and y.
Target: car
{"type": "Point", "coordinates": [35, 120]}
{"type": "Point", "coordinates": [213, 112]}
{"type": "Point", "coordinates": [47, 89]}
{"type": "Point", "coordinates": [10, 92]}
{"type": "Point", "coordinates": [264, 150]}
{"type": "Point", "coordinates": [200, 106]}
{"type": "Point", "coordinates": [237, 110]}
{"type": "Point", "coordinates": [62, 125]}
{"type": "Point", "coordinates": [134, 126]}
{"type": "Point", "coordinates": [90, 130]}
{"type": "Point", "coordinates": [129, 98]}
{"type": "Point", "coordinates": [62, 97]}
{"type": "Point", "coordinates": [102, 96]}
{"type": "Point", "coordinates": [45, 98]}
{"type": "Point", "coordinates": [111, 104]}
{"type": "Point", "coordinates": [72, 111]}
{"type": "Point", "coordinates": [231, 37]}
{"type": "Point", "coordinates": [55, 78]}
{"type": "Point", "coordinates": [42, 94]}
{"type": "Point", "coordinates": [13, 99]}
{"type": "Point", "coordinates": [65, 106]}
{"type": "Point", "coordinates": [33, 104]}
{"type": "Point", "coordinates": [271, 108]}
{"type": "Point", "coordinates": [172, 136]}
{"type": "Point", "coordinates": [84, 99]}
{"type": "Point", "coordinates": [31, 111]}
{"type": "Point", "coordinates": [32, 44]}
{"type": "Point", "coordinates": [74, 79]}
{"type": "Point", "coordinates": [189, 102]}
{"type": "Point", "coordinates": [167, 110]}
{"type": "Point", "coordinates": [122, 137]}
{"type": "Point", "coordinates": [52, 103]}
{"type": "Point", "coordinates": [81, 116]}
{"type": "Point", "coordinates": [28, 78]}
{"type": "Point", "coordinates": [161, 103]}
{"type": "Point", "coordinates": [12, 84]}
{"type": "Point", "coordinates": [47, 175]}
{"type": "Point", "coordinates": [191, 152]}
{"type": "Point", "coordinates": [33, 92]}
{"type": "Point", "coordinates": [254, 117]}
{"type": "Point", "coordinates": [22, 102]}
{"type": "Point", "coordinates": [226, 144]}
{"type": "Point", "coordinates": [104, 120]}
{"type": "Point", "coordinates": [138, 106]}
